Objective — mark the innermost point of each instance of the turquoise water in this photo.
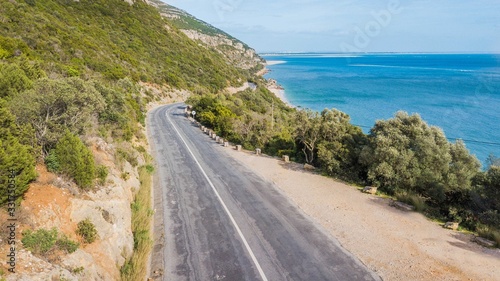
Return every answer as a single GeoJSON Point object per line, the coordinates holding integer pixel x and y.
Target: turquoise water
{"type": "Point", "coordinates": [459, 93]}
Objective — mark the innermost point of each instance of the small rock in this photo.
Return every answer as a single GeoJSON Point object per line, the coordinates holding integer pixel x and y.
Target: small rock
{"type": "Point", "coordinates": [451, 225]}
{"type": "Point", "coordinates": [309, 167]}
{"type": "Point", "coordinates": [286, 158]}
{"type": "Point", "coordinates": [370, 189]}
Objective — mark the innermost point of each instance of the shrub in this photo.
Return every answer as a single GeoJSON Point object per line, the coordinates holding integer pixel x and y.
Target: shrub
{"type": "Point", "coordinates": [489, 233]}
{"type": "Point", "coordinates": [102, 173]}
{"type": "Point", "coordinates": [76, 160]}
{"type": "Point", "coordinates": [16, 156]}
{"type": "Point", "coordinates": [40, 241]}
{"type": "Point", "coordinates": [150, 168]}
{"type": "Point", "coordinates": [125, 176]}
{"type": "Point", "coordinates": [78, 270]}
{"type": "Point", "coordinates": [413, 199]}
{"type": "Point", "coordinates": [128, 156]}
{"type": "Point", "coordinates": [52, 161]}
{"type": "Point", "coordinates": [86, 229]}
{"type": "Point", "coordinates": [66, 244]}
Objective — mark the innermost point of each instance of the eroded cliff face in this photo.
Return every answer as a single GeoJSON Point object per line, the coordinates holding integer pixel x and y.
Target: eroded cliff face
{"type": "Point", "coordinates": [55, 202]}
{"type": "Point", "coordinates": [234, 51]}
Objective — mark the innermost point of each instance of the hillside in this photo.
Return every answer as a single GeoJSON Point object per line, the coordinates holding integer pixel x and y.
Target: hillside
{"type": "Point", "coordinates": [233, 50]}
{"type": "Point", "coordinates": [111, 39]}
{"type": "Point", "coordinates": [76, 78]}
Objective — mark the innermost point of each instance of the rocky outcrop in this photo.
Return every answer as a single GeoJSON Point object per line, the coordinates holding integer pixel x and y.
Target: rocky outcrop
{"type": "Point", "coordinates": [234, 51]}
{"type": "Point", "coordinates": [55, 202]}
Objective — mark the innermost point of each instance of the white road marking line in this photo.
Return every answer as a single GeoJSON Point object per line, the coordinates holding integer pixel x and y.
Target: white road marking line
{"type": "Point", "coordinates": [247, 246]}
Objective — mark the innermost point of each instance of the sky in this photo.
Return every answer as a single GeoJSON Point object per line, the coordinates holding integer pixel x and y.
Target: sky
{"type": "Point", "coordinates": [355, 25]}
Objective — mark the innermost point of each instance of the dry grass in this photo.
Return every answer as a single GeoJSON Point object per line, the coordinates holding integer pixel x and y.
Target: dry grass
{"type": "Point", "coordinates": [136, 267]}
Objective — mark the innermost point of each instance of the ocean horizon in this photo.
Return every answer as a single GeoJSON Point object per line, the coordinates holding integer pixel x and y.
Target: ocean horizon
{"type": "Point", "coordinates": [459, 93]}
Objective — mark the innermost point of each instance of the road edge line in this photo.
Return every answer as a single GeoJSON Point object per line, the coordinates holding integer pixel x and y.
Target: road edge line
{"type": "Point", "coordinates": [231, 218]}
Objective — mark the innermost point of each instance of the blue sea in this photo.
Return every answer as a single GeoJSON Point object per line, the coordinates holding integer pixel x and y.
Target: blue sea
{"type": "Point", "coordinates": [458, 92]}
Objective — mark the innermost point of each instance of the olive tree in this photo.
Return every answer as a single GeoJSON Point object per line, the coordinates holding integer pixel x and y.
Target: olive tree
{"type": "Point", "coordinates": [307, 132]}
{"type": "Point", "coordinates": [404, 152]}
{"type": "Point", "coordinates": [340, 145]}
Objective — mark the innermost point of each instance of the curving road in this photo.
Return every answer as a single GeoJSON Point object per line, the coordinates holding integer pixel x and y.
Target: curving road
{"type": "Point", "coordinates": [217, 220]}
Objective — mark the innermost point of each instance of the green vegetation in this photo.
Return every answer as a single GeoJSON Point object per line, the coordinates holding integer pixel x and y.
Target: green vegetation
{"type": "Point", "coordinates": [75, 66]}
{"type": "Point", "coordinates": [102, 173]}
{"type": "Point", "coordinates": [16, 155]}
{"type": "Point", "coordinates": [76, 160]}
{"type": "Point", "coordinates": [403, 156]}
{"type": "Point", "coordinates": [66, 244]}
{"type": "Point", "coordinates": [135, 267]}
{"type": "Point", "coordinates": [42, 241]}
{"type": "Point", "coordinates": [86, 229]}
{"type": "Point", "coordinates": [112, 38]}
{"type": "Point", "coordinates": [55, 105]}
{"type": "Point", "coordinates": [78, 270]}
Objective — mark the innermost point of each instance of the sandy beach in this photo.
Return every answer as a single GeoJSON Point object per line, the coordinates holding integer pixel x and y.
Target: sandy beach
{"type": "Point", "coordinates": [278, 91]}
{"type": "Point", "coordinates": [395, 244]}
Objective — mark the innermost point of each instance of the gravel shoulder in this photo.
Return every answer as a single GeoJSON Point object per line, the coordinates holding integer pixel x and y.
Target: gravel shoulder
{"type": "Point", "coordinates": [397, 245]}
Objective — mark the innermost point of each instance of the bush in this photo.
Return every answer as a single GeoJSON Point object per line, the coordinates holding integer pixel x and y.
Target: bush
{"type": "Point", "coordinates": [66, 244]}
{"type": "Point", "coordinates": [52, 162]}
{"type": "Point", "coordinates": [489, 233]}
{"type": "Point", "coordinates": [102, 173]}
{"type": "Point", "coordinates": [128, 156]}
{"type": "Point", "coordinates": [40, 241]}
{"type": "Point", "coordinates": [76, 160]}
{"type": "Point", "coordinates": [413, 199]}
{"type": "Point", "coordinates": [16, 156]}
{"type": "Point", "coordinates": [86, 229]}
{"type": "Point", "coordinates": [150, 168]}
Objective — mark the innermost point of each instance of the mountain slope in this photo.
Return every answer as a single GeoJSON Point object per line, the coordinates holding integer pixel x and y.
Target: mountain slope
{"type": "Point", "coordinates": [236, 52]}
{"type": "Point", "coordinates": [114, 39]}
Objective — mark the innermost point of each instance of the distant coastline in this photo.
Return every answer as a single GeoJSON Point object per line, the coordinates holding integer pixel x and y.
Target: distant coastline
{"type": "Point", "coordinates": [278, 91]}
{"type": "Point", "coordinates": [275, 62]}
{"type": "Point", "coordinates": [272, 85]}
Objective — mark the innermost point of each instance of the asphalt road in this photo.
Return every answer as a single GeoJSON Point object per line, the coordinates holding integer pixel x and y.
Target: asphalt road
{"type": "Point", "coordinates": [217, 220]}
